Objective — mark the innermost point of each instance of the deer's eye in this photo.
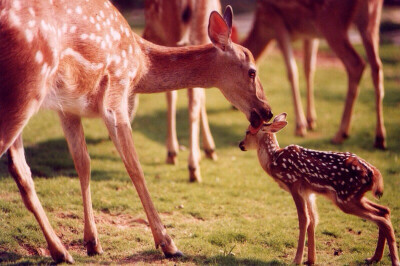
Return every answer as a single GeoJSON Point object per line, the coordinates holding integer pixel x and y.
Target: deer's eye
{"type": "Point", "coordinates": [252, 73]}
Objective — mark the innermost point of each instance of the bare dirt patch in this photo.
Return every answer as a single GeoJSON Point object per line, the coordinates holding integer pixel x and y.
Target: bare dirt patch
{"type": "Point", "coordinates": [120, 220]}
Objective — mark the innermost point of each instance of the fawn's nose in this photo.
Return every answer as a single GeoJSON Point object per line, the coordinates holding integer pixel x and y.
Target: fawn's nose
{"type": "Point", "coordinates": [241, 146]}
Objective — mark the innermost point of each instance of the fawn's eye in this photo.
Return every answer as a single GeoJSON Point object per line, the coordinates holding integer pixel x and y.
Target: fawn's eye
{"type": "Point", "coordinates": [252, 73]}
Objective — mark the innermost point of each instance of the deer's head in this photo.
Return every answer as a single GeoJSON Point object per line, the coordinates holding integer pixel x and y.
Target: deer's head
{"type": "Point", "coordinates": [239, 82]}
{"type": "Point", "coordinates": [252, 137]}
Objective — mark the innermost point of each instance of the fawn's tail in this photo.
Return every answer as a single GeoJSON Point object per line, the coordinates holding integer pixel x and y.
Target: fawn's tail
{"type": "Point", "coordinates": [377, 183]}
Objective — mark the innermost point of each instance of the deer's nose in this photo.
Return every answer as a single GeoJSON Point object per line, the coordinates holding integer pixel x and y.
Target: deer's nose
{"type": "Point", "coordinates": [241, 146]}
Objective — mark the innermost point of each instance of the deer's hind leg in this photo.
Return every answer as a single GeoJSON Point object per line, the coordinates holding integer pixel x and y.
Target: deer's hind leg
{"type": "Point", "coordinates": [313, 214]}
{"type": "Point", "coordinates": [304, 221]}
{"type": "Point", "coordinates": [22, 176]}
{"type": "Point", "coordinates": [364, 209]}
{"type": "Point", "coordinates": [73, 132]}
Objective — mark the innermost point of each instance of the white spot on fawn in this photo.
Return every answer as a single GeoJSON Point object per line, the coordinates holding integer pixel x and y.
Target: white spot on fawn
{"type": "Point", "coordinates": [72, 29]}
{"type": "Point", "coordinates": [78, 10]}
{"type": "Point", "coordinates": [14, 18]}
{"type": "Point", "coordinates": [31, 23]}
{"type": "Point", "coordinates": [84, 36]}
{"type": "Point", "coordinates": [31, 11]}
{"type": "Point", "coordinates": [39, 57]}
{"type": "Point", "coordinates": [28, 35]}
{"type": "Point", "coordinates": [16, 5]}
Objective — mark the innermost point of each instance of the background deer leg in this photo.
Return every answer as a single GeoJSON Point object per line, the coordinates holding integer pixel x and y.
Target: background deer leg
{"type": "Point", "coordinates": [340, 44]}
{"type": "Point", "coordinates": [118, 126]}
{"type": "Point", "coordinates": [195, 97]}
{"type": "Point", "coordinates": [303, 223]}
{"type": "Point", "coordinates": [74, 134]}
{"type": "Point", "coordinates": [22, 176]}
{"type": "Point", "coordinates": [369, 30]}
{"type": "Point", "coordinates": [313, 214]}
{"type": "Point", "coordinates": [172, 139]}
{"type": "Point", "coordinates": [310, 61]}
{"type": "Point", "coordinates": [284, 41]}
{"type": "Point", "coordinates": [208, 141]}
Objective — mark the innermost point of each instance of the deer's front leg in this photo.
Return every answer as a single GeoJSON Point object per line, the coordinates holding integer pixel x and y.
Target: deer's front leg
{"type": "Point", "coordinates": [310, 60]}
{"type": "Point", "coordinates": [284, 41]}
{"type": "Point", "coordinates": [195, 99]}
{"type": "Point", "coordinates": [172, 139]}
{"type": "Point", "coordinates": [119, 128]}
{"type": "Point", "coordinates": [74, 134]}
{"type": "Point", "coordinates": [303, 223]}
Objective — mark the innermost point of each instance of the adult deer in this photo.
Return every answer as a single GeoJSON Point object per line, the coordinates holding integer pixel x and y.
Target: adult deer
{"type": "Point", "coordinates": [80, 59]}
{"type": "Point", "coordinates": [182, 22]}
{"type": "Point", "coordinates": [330, 19]}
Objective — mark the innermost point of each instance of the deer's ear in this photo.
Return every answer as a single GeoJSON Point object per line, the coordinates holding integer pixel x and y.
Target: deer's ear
{"type": "Point", "coordinates": [228, 16]}
{"type": "Point", "coordinates": [276, 126]}
{"type": "Point", "coordinates": [219, 31]}
{"type": "Point", "coordinates": [280, 117]}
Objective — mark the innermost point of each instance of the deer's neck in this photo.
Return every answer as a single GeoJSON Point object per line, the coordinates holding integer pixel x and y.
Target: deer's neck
{"type": "Point", "coordinates": [171, 68]}
{"type": "Point", "coordinates": [267, 146]}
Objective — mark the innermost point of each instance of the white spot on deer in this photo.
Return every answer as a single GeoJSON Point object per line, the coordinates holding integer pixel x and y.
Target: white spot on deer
{"type": "Point", "coordinates": [14, 19]}
{"type": "Point", "coordinates": [98, 18]}
{"type": "Point", "coordinates": [85, 17]}
{"type": "Point", "coordinates": [16, 5]}
{"type": "Point", "coordinates": [28, 35]}
{"type": "Point", "coordinates": [72, 29]}
{"type": "Point", "coordinates": [98, 27]}
{"type": "Point", "coordinates": [130, 49]}
{"type": "Point", "coordinates": [84, 36]}
{"type": "Point", "coordinates": [69, 11]}
{"type": "Point", "coordinates": [31, 11]}
{"type": "Point", "coordinates": [101, 13]}
{"type": "Point", "coordinates": [103, 45]}
{"type": "Point", "coordinates": [82, 60]}
{"type": "Point", "coordinates": [123, 54]}
{"type": "Point", "coordinates": [92, 36]}
{"type": "Point", "coordinates": [91, 19]}
{"type": "Point", "coordinates": [44, 26]}
{"type": "Point", "coordinates": [78, 10]}
{"type": "Point", "coordinates": [44, 69]}
{"type": "Point", "coordinates": [98, 39]}
{"type": "Point", "coordinates": [108, 22]}
{"type": "Point", "coordinates": [31, 23]}
{"type": "Point", "coordinates": [118, 73]}
{"type": "Point", "coordinates": [363, 181]}
{"type": "Point", "coordinates": [334, 167]}
{"type": "Point", "coordinates": [284, 165]}
{"type": "Point", "coordinates": [64, 28]}
{"type": "Point", "coordinates": [116, 59]}
{"type": "Point", "coordinates": [125, 63]}
{"type": "Point", "coordinates": [51, 2]}
{"type": "Point", "coordinates": [132, 73]}
{"type": "Point", "coordinates": [39, 57]}
{"type": "Point", "coordinates": [127, 32]}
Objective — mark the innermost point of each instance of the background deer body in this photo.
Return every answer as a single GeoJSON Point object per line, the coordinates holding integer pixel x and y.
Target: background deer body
{"type": "Point", "coordinates": [286, 21]}
{"type": "Point", "coordinates": [344, 178]}
{"type": "Point", "coordinates": [81, 59]}
{"type": "Point", "coordinates": [183, 22]}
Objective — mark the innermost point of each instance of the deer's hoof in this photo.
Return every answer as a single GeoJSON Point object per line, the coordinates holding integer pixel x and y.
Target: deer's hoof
{"type": "Point", "coordinates": [301, 131]}
{"type": "Point", "coordinates": [372, 260]}
{"type": "Point", "coordinates": [93, 248]}
{"type": "Point", "coordinates": [194, 174]}
{"type": "Point", "coordinates": [309, 262]}
{"type": "Point", "coordinates": [311, 124]}
{"type": "Point", "coordinates": [211, 154]}
{"type": "Point", "coordinates": [172, 158]}
{"type": "Point", "coordinates": [380, 143]}
{"type": "Point", "coordinates": [177, 254]}
{"type": "Point", "coordinates": [339, 138]}
{"type": "Point", "coordinates": [62, 256]}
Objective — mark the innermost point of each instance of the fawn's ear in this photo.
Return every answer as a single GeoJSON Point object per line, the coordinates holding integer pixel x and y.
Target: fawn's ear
{"type": "Point", "coordinates": [228, 16]}
{"type": "Point", "coordinates": [218, 29]}
{"type": "Point", "coordinates": [280, 117]}
{"type": "Point", "coordinates": [274, 126]}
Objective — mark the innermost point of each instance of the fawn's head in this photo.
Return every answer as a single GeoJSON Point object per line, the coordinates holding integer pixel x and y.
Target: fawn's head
{"type": "Point", "coordinates": [239, 82]}
{"type": "Point", "coordinates": [250, 141]}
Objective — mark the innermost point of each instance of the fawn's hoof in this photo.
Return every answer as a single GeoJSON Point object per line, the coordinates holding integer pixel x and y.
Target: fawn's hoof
{"type": "Point", "coordinates": [177, 254]}
{"type": "Point", "coordinates": [62, 256]}
{"type": "Point", "coordinates": [93, 247]}
{"type": "Point", "coordinates": [194, 174]}
{"type": "Point", "coordinates": [301, 131]}
{"type": "Point", "coordinates": [340, 138]}
{"type": "Point", "coordinates": [380, 143]}
{"type": "Point", "coordinates": [211, 154]}
{"type": "Point", "coordinates": [171, 158]}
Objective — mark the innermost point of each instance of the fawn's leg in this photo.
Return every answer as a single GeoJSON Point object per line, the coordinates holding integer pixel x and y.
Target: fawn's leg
{"type": "Point", "coordinates": [301, 206]}
{"type": "Point", "coordinates": [74, 134]}
{"type": "Point", "coordinates": [284, 41]}
{"type": "Point", "coordinates": [310, 61]}
{"type": "Point", "coordinates": [22, 175]}
{"type": "Point", "coordinates": [313, 214]}
{"type": "Point", "coordinates": [195, 97]}
{"type": "Point", "coordinates": [363, 210]}
{"type": "Point", "coordinates": [172, 139]}
{"type": "Point", "coordinates": [208, 141]}
{"type": "Point", "coordinates": [133, 106]}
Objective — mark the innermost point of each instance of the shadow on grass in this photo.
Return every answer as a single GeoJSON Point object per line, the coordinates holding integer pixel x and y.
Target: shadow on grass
{"type": "Point", "coordinates": [11, 258]}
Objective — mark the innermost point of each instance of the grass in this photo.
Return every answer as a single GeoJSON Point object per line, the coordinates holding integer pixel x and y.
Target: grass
{"type": "Point", "coordinates": [238, 215]}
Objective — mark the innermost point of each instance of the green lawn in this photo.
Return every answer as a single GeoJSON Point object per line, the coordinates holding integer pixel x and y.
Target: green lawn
{"type": "Point", "coordinates": [238, 215]}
